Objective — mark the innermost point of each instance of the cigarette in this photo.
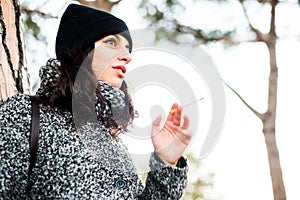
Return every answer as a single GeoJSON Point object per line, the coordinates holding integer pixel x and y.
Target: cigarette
{"type": "Point", "coordinates": [172, 111]}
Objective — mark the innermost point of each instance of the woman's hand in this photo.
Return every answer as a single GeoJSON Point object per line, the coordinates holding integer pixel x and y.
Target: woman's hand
{"type": "Point", "coordinates": [171, 141]}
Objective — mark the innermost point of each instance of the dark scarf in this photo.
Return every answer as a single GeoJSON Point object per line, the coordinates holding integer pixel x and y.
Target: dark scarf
{"type": "Point", "coordinates": [115, 107]}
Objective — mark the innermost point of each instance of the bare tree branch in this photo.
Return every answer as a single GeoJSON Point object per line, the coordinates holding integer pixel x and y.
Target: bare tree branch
{"type": "Point", "coordinates": [258, 114]}
{"type": "Point", "coordinates": [205, 38]}
{"type": "Point", "coordinates": [259, 35]}
{"type": "Point", "coordinates": [29, 12]}
{"type": "Point", "coordinates": [272, 22]}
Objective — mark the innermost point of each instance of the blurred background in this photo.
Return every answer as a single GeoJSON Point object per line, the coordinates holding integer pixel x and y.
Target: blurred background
{"type": "Point", "coordinates": [255, 47]}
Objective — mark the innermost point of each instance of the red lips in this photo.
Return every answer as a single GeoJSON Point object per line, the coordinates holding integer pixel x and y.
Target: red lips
{"type": "Point", "coordinates": [121, 67]}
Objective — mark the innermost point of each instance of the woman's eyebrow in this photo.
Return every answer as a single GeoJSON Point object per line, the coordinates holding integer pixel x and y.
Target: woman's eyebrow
{"type": "Point", "coordinates": [113, 36]}
{"type": "Point", "coordinates": [118, 37]}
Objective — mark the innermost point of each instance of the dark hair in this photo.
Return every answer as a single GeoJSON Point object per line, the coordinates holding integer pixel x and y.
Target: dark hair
{"type": "Point", "coordinates": [72, 61]}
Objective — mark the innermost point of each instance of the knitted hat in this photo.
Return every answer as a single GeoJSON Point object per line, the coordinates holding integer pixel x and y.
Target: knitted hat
{"type": "Point", "coordinates": [82, 26]}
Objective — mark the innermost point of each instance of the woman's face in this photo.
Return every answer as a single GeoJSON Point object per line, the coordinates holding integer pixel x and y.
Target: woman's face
{"type": "Point", "coordinates": [111, 56]}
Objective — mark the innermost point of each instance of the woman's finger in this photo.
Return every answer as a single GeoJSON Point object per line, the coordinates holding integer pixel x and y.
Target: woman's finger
{"type": "Point", "coordinates": [155, 126]}
{"type": "Point", "coordinates": [172, 112]}
{"type": "Point", "coordinates": [177, 116]}
{"type": "Point", "coordinates": [186, 122]}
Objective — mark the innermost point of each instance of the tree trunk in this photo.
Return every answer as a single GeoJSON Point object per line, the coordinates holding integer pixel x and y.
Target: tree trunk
{"type": "Point", "coordinates": [11, 51]}
{"type": "Point", "coordinates": [274, 162]}
{"type": "Point", "coordinates": [8, 85]}
{"type": "Point", "coordinates": [269, 120]}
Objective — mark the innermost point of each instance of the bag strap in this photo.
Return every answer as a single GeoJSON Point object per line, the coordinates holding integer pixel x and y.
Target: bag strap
{"type": "Point", "coordinates": [34, 137]}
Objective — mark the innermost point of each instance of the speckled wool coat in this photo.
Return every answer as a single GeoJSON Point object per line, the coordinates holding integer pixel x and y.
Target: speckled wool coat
{"type": "Point", "coordinates": [86, 163]}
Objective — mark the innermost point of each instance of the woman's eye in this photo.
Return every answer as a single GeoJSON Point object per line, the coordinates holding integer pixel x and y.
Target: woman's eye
{"type": "Point", "coordinates": [111, 41]}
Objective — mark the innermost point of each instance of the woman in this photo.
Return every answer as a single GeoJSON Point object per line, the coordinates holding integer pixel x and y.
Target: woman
{"type": "Point", "coordinates": [84, 106]}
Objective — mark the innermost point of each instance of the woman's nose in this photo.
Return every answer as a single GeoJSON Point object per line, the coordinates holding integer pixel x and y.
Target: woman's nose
{"type": "Point", "coordinates": [126, 57]}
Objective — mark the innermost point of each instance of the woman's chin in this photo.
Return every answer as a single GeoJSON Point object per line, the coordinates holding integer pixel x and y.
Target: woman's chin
{"type": "Point", "coordinates": [115, 83]}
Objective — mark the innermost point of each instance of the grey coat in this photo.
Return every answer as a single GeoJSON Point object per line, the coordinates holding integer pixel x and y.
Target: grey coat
{"type": "Point", "coordinates": [85, 163]}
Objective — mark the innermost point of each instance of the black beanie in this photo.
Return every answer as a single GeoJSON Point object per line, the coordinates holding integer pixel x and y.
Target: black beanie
{"type": "Point", "coordinates": [82, 26]}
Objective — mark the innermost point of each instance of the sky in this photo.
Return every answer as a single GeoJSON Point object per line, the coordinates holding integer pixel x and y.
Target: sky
{"type": "Point", "coordinates": [239, 160]}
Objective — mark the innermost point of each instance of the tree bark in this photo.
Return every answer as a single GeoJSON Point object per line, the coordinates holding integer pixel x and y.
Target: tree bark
{"type": "Point", "coordinates": [269, 125]}
{"type": "Point", "coordinates": [12, 66]}
{"type": "Point", "coordinates": [269, 120]}
{"type": "Point", "coordinates": [8, 85]}
{"type": "Point", "coordinates": [274, 162]}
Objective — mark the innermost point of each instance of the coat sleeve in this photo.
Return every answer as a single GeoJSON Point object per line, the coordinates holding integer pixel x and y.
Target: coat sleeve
{"type": "Point", "coordinates": [14, 146]}
{"type": "Point", "coordinates": [165, 182]}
